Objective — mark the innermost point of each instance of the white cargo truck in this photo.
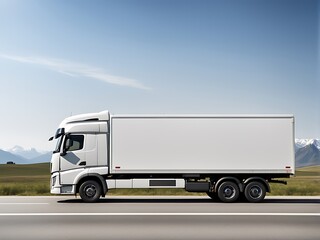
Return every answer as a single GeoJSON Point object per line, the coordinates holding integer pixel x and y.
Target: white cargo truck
{"type": "Point", "coordinates": [224, 156]}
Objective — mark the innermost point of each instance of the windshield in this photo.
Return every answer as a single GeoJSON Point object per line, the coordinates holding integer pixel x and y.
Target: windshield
{"type": "Point", "coordinates": [59, 141]}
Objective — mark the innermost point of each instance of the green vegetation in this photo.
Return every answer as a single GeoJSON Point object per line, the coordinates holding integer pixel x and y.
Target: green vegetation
{"type": "Point", "coordinates": [305, 183]}
{"type": "Point", "coordinates": [28, 179]}
{"type": "Point", "coordinates": [34, 179]}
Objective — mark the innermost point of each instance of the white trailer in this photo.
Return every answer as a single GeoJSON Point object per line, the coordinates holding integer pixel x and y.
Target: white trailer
{"type": "Point", "coordinates": [224, 156]}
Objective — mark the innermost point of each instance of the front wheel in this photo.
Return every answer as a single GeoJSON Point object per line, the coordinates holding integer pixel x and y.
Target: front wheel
{"type": "Point", "coordinates": [90, 191]}
{"type": "Point", "coordinates": [255, 192]}
{"type": "Point", "coordinates": [228, 192]}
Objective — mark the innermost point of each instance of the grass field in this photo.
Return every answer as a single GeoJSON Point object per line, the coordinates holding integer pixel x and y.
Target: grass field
{"type": "Point", "coordinates": [34, 179]}
{"type": "Point", "coordinates": [305, 183]}
{"type": "Point", "coordinates": [28, 179]}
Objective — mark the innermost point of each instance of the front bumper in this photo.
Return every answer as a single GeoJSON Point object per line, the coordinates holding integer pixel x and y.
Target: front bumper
{"type": "Point", "coordinates": [57, 188]}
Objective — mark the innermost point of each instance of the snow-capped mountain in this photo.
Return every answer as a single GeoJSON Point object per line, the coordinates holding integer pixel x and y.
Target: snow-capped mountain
{"type": "Point", "coordinates": [304, 142]}
{"type": "Point", "coordinates": [307, 152]}
{"type": "Point", "coordinates": [26, 153]}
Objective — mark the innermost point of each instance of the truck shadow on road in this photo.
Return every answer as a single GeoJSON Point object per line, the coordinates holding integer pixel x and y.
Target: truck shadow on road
{"type": "Point", "coordinates": [121, 200]}
{"type": "Point", "coordinates": [303, 201]}
{"type": "Point", "coordinates": [191, 200]}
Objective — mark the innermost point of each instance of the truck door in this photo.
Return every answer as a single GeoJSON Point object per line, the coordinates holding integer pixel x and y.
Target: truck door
{"type": "Point", "coordinates": [74, 154]}
{"type": "Point", "coordinates": [80, 150]}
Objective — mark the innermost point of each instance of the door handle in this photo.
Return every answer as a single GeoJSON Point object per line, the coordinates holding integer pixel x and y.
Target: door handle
{"type": "Point", "coordinates": [83, 163]}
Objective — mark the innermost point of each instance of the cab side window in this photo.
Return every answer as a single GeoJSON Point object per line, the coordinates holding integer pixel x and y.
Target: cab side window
{"type": "Point", "coordinates": [75, 142]}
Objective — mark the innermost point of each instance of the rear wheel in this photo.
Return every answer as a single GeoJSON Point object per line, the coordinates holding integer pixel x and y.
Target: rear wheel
{"type": "Point", "coordinates": [255, 192]}
{"type": "Point", "coordinates": [228, 192]}
{"type": "Point", "coordinates": [90, 191]}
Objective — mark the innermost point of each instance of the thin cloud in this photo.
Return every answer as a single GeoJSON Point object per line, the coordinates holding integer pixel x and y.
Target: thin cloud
{"type": "Point", "coordinates": [78, 70]}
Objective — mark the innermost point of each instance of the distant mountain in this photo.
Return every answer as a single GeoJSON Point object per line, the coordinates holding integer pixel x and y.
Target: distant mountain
{"type": "Point", "coordinates": [42, 158]}
{"type": "Point", "coordinates": [25, 153]}
{"type": "Point", "coordinates": [300, 143]}
{"type": "Point", "coordinates": [9, 157]}
{"type": "Point", "coordinates": [307, 152]}
{"type": "Point", "coordinates": [20, 155]}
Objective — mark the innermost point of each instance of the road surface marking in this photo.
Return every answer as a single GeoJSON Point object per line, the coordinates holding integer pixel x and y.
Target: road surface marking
{"type": "Point", "coordinates": [23, 203]}
{"type": "Point", "coordinates": [162, 214]}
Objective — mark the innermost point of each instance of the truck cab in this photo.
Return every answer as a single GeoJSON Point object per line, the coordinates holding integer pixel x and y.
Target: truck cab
{"type": "Point", "coordinates": [81, 143]}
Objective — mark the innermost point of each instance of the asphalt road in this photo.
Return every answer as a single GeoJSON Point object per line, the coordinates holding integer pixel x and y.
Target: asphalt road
{"type": "Point", "coordinates": [158, 218]}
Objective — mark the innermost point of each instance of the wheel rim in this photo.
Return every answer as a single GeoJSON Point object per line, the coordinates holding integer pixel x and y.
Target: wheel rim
{"type": "Point", "coordinates": [90, 190]}
{"type": "Point", "coordinates": [229, 192]}
{"type": "Point", "coordinates": [255, 192]}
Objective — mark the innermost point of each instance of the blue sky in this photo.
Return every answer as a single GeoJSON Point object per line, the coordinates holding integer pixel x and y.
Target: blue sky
{"type": "Point", "coordinates": [60, 58]}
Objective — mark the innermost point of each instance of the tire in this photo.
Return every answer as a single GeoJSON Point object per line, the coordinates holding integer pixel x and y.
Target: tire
{"type": "Point", "coordinates": [228, 192]}
{"type": "Point", "coordinates": [255, 192]}
{"type": "Point", "coordinates": [212, 195]}
{"type": "Point", "coordinates": [90, 191]}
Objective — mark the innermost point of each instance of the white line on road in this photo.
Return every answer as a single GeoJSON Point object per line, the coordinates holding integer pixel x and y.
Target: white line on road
{"type": "Point", "coordinates": [23, 203]}
{"type": "Point", "coordinates": [162, 214]}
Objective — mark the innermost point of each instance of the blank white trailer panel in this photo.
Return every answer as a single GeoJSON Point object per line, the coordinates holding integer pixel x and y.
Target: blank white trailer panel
{"type": "Point", "coordinates": [207, 144]}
